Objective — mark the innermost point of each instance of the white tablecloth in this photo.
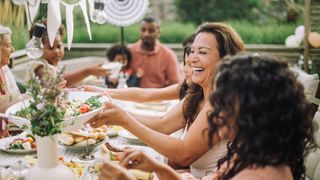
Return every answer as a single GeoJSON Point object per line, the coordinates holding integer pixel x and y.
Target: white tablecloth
{"type": "Point", "coordinates": [6, 159]}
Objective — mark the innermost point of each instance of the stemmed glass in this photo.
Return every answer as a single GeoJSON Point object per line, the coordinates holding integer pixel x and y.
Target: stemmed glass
{"type": "Point", "coordinates": [20, 169]}
{"type": "Point", "coordinates": [85, 131]}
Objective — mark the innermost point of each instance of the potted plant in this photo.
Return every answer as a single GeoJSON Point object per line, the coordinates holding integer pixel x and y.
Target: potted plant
{"type": "Point", "coordinates": [46, 123]}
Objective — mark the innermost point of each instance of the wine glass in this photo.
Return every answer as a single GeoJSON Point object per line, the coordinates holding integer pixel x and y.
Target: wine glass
{"type": "Point", "coordinates": [20, 169]}
{"type": "Point", "coordinates": [85, 131]}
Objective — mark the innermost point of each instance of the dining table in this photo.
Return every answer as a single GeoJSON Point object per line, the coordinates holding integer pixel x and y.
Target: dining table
{"type": "Point", "coordinates": [70, 155]}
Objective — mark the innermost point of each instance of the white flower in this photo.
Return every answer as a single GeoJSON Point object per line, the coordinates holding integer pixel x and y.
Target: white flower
{"type": "Point", "coordinates": [40, 106]}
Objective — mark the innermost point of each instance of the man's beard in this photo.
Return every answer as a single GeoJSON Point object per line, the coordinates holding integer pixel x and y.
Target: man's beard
{"type": "Point", "coordinates": [148, 44]}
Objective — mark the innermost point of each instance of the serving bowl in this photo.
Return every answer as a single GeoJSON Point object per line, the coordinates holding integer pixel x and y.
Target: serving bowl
{"type": "Point", "coordinates": [70, 123]}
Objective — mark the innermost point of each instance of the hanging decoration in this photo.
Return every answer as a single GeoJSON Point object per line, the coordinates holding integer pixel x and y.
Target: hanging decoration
{"type": "Point", "coordinates": [120, 13]}
{"type": "Point", "coordinates": [31, 9]}
{"type": "Point", "coordinates": [98, 15]}
{"type": "Point", "coordinates": [125, 12]}
{"type": "Point", "coordinates": [54, 15]}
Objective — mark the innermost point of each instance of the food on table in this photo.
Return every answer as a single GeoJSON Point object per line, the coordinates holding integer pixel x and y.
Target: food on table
{"type": "Point", "coordinates": [77, 138]}
{"type": "Point", "coordinates": [139, 175]}
{"type": "Point", "coordinates": [22, 143]}
{"type": "Point", "coordinates": [76, 168]}
{"type": "Point", "coordinates": [70, 108]}
{"type": "Point", "coordinates": [114, 152]}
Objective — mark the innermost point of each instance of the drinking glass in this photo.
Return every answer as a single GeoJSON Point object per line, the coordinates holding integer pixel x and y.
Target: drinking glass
{"type": "Point", "coordinates": [20, 169]}
{"type": "Point", "coordinates": [85, 131]}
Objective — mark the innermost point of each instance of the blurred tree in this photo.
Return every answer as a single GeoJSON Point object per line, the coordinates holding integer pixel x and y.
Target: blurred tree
{"type": "Point", "coordinates": [11, 15]}
{"type": "Point", "coordinates": [213, 10]}
{"type": "Point", "coordinates": [259, 10]}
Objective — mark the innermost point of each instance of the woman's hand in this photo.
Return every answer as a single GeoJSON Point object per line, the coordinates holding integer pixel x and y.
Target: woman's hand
{"type": "Point", "coordinates": [137, 159]}
{"type": "Point", "coordinates": [98, 71]}
{"type": "Point", "coordinates": [111, 115]}
{"type": "Point", "coordinates": [90, 88]}
{"type": "Point", "coordinates": [113, 171]}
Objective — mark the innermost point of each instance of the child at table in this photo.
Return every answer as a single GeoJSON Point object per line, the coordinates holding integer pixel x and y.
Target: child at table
{"type": "Point", "coordinates": [53, 55]}
{"type": "Point", "coordinates": [121, 54]}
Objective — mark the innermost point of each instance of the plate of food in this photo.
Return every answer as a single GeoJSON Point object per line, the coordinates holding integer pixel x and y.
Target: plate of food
{"type": "Point", "coordinates": [92, 171]}
{"type": "Point", "coordinates": [113, 152]}
{"type": "Point", "coordinates": [79, 108]}
{"type": "Point", "coordinates": [77, 140]}
{"type": "Point", "coordinates": [130, 137]}
{"type": "Point", "coordinates": [113, 67]}
{"type": "Point", "coordinates": [113, 130]}
{"type": "Point", "coordinates": [21, 144]}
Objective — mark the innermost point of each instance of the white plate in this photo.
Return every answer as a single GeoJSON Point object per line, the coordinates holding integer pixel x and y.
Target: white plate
{"type": "Point", "coordinates": [113, 131]}
{"type": "Point", "coordinates": [71, 123]}
{"type": "Point", "coordinates": [19, 151]}
{"type": "Point", "coordinates": [100, 154]}
{"type": "Point", "coordinates": [83, 148]}
{"type": "Point", "coordinates": [152, 153]}
{"type": "Point", "coordinates": [114, 68]}
{"type": "Point", "coordinates": [130, 137]}
{"type": "Point", "coordinates": [5, 141]}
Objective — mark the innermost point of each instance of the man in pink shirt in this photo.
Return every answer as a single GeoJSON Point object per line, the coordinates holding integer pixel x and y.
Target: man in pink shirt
{"type": "Point", "coordinates": [158, 63]}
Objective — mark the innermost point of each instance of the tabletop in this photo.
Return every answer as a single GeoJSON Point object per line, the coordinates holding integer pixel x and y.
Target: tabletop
{"type": "Point", "coordinates": [6, 159]}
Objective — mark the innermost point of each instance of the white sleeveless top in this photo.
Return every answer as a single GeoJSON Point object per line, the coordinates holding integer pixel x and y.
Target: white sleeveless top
{"type": "Point", "coordinates": [207, 163]}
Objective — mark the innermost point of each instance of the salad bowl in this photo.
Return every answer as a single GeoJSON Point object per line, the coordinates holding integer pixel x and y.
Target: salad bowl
{"type": "Point", "coordinates": [77, 113]}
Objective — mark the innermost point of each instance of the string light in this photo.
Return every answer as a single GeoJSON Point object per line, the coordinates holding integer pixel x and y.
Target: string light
{"type": "Point", "coordinates": [34, 47]}
{"type": "Point", "coordinates": [98, 14]}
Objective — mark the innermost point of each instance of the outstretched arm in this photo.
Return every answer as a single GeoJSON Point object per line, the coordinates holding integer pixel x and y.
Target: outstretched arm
{"type": "Point", "coordinates": [140, 94]}
{"type": "Point", "coordinates": [76, 77]}
{"type": "Point", "coordinates": [184, 152]}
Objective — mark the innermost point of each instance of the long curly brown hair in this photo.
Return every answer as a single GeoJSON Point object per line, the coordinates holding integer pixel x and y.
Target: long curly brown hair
{"type": "Point", "coordinates": [229, 43]}
{"type": "Point", "coordinates": [273, 120]}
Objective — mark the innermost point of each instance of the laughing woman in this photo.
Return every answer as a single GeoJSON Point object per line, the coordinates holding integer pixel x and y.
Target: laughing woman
{"type": "Point", "coordinates": [9, 91]}
{"type": "Point", "coordinates": [212, 42]}
{"type": "Point", "coordinates": [260, 108]}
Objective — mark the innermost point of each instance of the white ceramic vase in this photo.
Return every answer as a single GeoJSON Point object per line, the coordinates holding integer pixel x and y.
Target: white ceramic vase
{"type": "Point", "coordinates": [48, 167]}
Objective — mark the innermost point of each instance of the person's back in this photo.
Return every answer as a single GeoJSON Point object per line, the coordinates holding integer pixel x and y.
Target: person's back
{"type": "Point", "coordinates": [159, 63]}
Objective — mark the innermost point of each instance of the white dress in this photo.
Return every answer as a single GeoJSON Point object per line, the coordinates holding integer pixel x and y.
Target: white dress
{"type": "Point", "coordinates": [207, 163]}
{"type": "Point", "coordinates": [52, 70]}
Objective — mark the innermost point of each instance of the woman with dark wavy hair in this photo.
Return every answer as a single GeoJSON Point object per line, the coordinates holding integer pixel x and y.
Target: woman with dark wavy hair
{"type": "Point", "coordinates": [260, 108]}
{"type": "Point", "coordinates": [263, 111]}
{"type": "Point", "coordinates": [212, 42]}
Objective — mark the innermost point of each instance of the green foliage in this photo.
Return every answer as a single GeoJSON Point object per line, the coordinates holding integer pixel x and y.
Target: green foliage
{"type": "Point", "coordinates": [172, 32]}
{"type": "Point", "coordinates": [253, 10]}
{"type": "Point", "coordinates": [46, 118]}
{"type": "Point", "coordinates": [213, 10]}
{"type": "Point", "coordinates": [264, 33]}
{"type": "Point", "coordinates": [176, 32]}
{"type": "Point", "coordinates": [20, 37]}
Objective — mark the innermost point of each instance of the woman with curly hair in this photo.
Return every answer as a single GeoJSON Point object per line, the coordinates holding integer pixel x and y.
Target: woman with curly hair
{"type": "Point", "coordinates": [260, 108]}
{"type": "Point", "coordinates": [212, 42]}
{"type": "Point", "coordinates": [270, 125]}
